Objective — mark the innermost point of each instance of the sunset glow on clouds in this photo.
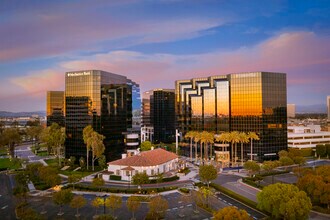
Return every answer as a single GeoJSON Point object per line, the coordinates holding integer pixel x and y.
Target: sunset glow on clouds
{"type": "Point", "coordinates": [155, 49]}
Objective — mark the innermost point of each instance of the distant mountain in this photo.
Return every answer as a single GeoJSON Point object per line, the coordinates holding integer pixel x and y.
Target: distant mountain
{"type": "Point", "coordinates": [319, 108]}
{"type": "Point", "coordinates": [22, 114]}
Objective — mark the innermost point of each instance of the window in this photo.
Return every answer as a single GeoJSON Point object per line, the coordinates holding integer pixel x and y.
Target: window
{"type": "Point", "coordinates": [118, 172]}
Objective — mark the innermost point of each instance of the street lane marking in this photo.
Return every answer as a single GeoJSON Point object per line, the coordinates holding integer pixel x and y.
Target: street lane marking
{"type": "Point", "coordinates": [189, 205]}
{"type": "Point", "coordinates": [4, 207]}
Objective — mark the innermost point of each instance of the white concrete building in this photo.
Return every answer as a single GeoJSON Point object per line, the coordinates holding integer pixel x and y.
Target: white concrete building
{"type": "Point", "coordinates": [152, 162]}
{"type": "Point", "coordinates": [307, 137]}
{"type": "Point", "coordinates": [147, 133]}
{"type": "Point", "coordinates": [291, 110]}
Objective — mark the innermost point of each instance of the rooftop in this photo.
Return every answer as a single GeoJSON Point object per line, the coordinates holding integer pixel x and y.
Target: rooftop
{"type": "Point", "coordinates": [147, 158]}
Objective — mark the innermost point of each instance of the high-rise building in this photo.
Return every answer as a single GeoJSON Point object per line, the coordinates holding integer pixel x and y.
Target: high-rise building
{"type": "Point", "coordinates": [55, 107]}
{"type": "Point", "coordinates": [328, 106]}
{"type": "Point", "coordinates": [291, 108]}
{"type": "Point", "coordinates": [158, 115]}
{"type": "Point", "coordinates": [245, 102]}
{"type": "Point", "coordinates": [103, 100]}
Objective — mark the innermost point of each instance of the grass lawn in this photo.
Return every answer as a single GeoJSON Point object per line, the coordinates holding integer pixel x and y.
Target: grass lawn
{"type": "Point", "coordinates": [6, 163]}
{"type": "Point", "coordinates": [68, 172]}
{"type": "Point", "coordinates": [3, 151]}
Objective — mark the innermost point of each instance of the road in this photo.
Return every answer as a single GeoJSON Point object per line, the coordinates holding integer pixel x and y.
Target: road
{"type": "Point", "coordinates": [232, 183]}
{"type": "Point", "coordinates": [7, 205]}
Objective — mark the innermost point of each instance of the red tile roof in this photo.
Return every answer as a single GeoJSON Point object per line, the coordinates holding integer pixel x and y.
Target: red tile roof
{"type": "Point", "coordinates": [146, 158]}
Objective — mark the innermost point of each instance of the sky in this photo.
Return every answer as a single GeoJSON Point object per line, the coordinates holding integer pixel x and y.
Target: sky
{"type": "Point", "coordinates": [157, 42]}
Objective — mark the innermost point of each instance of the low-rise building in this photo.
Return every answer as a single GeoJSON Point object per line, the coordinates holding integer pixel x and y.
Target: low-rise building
{"type": "Point", "coordinates": [307, 136]}
{"type": "Point", "coordinates": [151, 162]}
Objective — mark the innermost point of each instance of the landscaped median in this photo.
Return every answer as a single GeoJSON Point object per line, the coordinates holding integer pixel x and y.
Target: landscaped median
{"type": "Point", "coordinates": [236, 196]}
{"type": "Point", "coordinates": [81, 187]}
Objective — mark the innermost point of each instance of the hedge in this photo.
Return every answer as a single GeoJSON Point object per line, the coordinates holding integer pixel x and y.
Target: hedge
{"type": "Point", "coordinates": [184, 190]}
{"type": "Point", "coordinates": [115, 177]}
{"type": "Point", "coordinates": [117, 190]}
{"type": "Point", "coordinates": [169, 179]}
{"type": "Point", "coordinates": [236, 196]}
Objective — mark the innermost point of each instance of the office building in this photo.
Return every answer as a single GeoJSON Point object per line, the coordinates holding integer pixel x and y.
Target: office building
{"type": "Point", "coordinates": [307, 136]}
{"type": "Point", "coordinates": [291, 108]}
{"type": "Point", "coordinates": [244, 102]}
{"type": "Point", "coordinates": [103, 100]}
{"type": "Point", "coordinates": [55, 108]}
{"type": "Point", "coordinates": [158, 115]}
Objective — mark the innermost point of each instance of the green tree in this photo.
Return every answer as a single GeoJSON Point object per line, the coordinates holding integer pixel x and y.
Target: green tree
{"type": "Point", "coordinates": [74, 178]}
{"type": "Point", "coordinates": [102, 162]}
{"type": "Point", "coordinates": [96, 203]}
{"type": "Point", "coordinates": [34, 132]}
{"type": "Point", "coordinates": [206, 192]}
{"type": "Point", "coordinates": [231, 213]}
{"type": "Point", "coordinates": [140, 178]}
{"type": "Point", "coordinates": [98, 182]}
{"type": "Point", "coordinates": [251, 166]}
{"type": "Point", "coordinates": [82, 163]}
{"type": "Point", "coordinates": [208, 139]}
{"type": "Point", "coordinates": [313, 186]}
{"type": "Point", "coordinates": [55, 137]}
{"type": "Point", "coordinates": [133, 204]}
{"type": "Point", "coordinates": [283, 153]}
{"type": "Point", "coordinates": [49, 175]}
{"type": "Point", "coordinates": [269, 166]}
{"type": "Point", "coordinates": [72, 161]}
{"type": "Point", "coordinates": [286, 161]}
{"type": "Point", "coordinates": [22, 178]}
{"type": "Point", "coordinates": [78, 202]}
{"type": "Point", "coordinates": [234, 139]}
{"type": "Point", "coordinates": [20, 192]}
{"type": "Point", "coordinates": [87, 133]}
{"type": "Point", "coordinates": [327, 146]}
{"type": "Point", "coordinates": [321, 150]}
{"type": "Point", "coordinates": [61, 198]}
{"type": "Point", "coordinates": [190, 135]}
{"type": "Point", "coordinates": [207, 173]}
{"type": "Point", "coordinates": [145, 146]}
{"type": "Point", "coordinates": [243, 137]}
{"type": "Point", "coordinates": [252, 137]}
{"type": "Point", "coordinates": [11, 137]}
{"type": "Point", "coordinates": [98, 147]}
{"type": "Point", "coordinates": [197, 139]}
{"type": "Point", "coordinates": [113, 202]}
{"type": "Point", "coordinates": [223, 138]}
{"type": "Point", "coordinates": [284, 201]}
{"type": "Point", "coordinates": [157, 207]}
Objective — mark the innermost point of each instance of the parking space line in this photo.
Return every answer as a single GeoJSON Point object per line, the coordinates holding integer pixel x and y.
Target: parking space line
{"type": "Point", "coordinates": [4, 207]}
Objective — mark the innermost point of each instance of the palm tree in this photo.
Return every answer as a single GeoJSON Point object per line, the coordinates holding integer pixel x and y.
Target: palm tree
{"type": "Point", "coordinates": [209, 140]}
{"type": "Point", "coordinates": [252, 136]}
{"type": "Point", "coordinates": [234, 139]}
{"type": "Point", "coordinates": [87, 133]}
{"type": "Point", "coordinates": [197, 138]}
{"type": "Point", "coordinates": [243, 139]}
{"type": "Point", "coordinates": [224, 138]}
{"type": "Point", "coordinates": [191, 135]}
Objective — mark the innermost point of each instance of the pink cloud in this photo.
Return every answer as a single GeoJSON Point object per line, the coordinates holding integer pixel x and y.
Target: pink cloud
{"type": "Point", "coordinates": [302, 55]}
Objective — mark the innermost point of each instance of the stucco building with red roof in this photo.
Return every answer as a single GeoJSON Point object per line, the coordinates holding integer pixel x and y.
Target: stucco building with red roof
{"type": "Point", "coordinates": [152, 162]}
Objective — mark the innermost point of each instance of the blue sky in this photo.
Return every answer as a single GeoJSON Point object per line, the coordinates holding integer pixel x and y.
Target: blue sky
{"type": "Point", "coordinates": [157, 42]}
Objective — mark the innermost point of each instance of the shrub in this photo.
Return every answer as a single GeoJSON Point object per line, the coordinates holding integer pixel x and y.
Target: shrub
{"type": "Point", "coordinates": [115, 177]}
{"type": "Point", "coordinates": [184, 190]}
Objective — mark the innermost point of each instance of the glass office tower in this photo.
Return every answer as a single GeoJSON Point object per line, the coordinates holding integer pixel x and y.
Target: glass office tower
{"type": "Point", "coordinates": [55, 107]}
{"type": "Point", "coordinates": [100, 99]}
{"type": "Point", "coordinates": [158, 112]}
{"type": "Point", "coordinates": [245, 102]}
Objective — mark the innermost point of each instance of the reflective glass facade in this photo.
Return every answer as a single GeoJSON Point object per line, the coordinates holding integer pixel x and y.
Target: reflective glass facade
{"type": "Point", "coordinates": [236, 102]}
{"type": "Point", "coordinates": [103, 100]}
{"type": "Point", "coordinates": [158, 111]}
{"type": "Point", "coordinates": [55, 107]}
